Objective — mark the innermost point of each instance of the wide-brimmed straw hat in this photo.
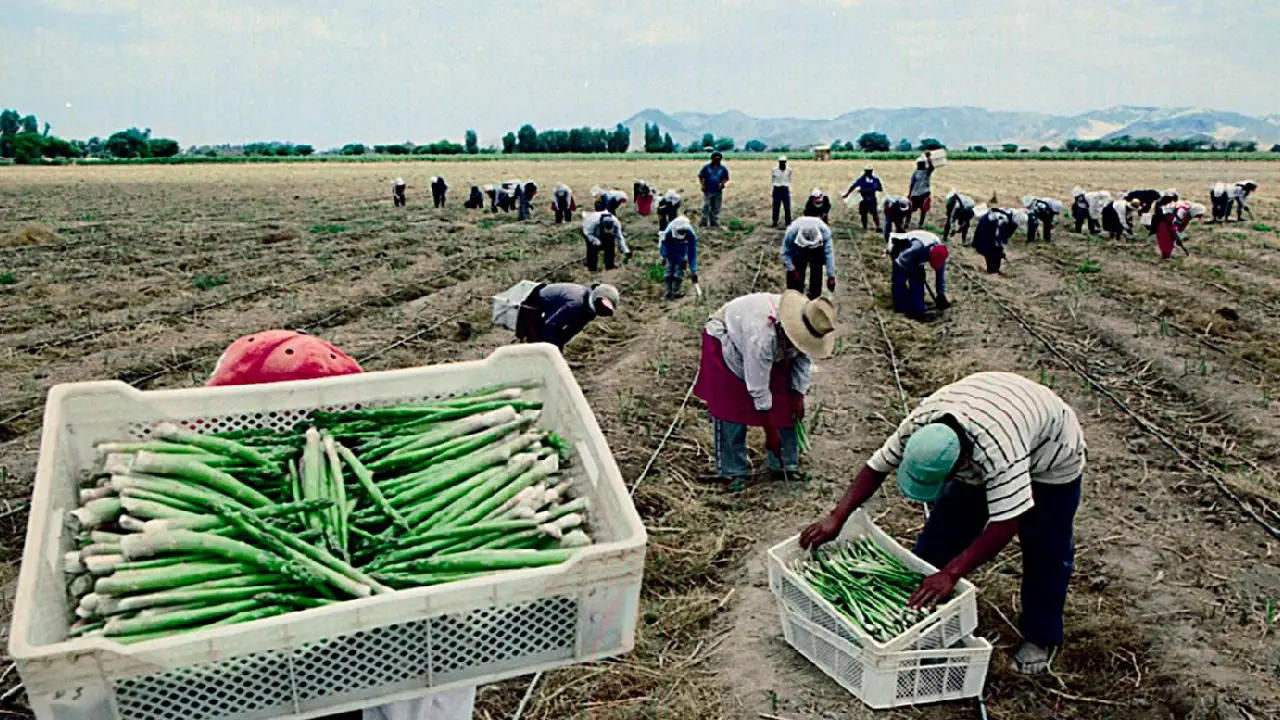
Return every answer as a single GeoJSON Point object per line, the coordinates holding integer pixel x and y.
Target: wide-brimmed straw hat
{"type": "Point", "coordinates": [810, 325]}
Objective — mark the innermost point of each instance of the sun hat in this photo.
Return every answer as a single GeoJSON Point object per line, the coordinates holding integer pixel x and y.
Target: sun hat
{"type": "Point", "coordinates": [782, 158]}
{"type": "Point", "coordinates": [279, 356]}
{"type": "Point", "coordinates": [927, 461]}
{"type": "Point", "coordinates": [867, 168]}
{"type": "Point", "coordinates": [399, 181]}
{"type": "Point", "coordinates": [810, 325]}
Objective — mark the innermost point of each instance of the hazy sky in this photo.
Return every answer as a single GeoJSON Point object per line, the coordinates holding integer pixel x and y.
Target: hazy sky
{"type": "Point", "coordinates": [331, 71]}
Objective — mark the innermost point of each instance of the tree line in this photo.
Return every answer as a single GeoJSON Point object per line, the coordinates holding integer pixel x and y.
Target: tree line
{"type": "Point", "coordinates": [22, 141]}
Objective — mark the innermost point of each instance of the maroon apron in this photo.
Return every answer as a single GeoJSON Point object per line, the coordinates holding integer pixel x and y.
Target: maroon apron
{"type": "Point", "coordinates": [726, 394]}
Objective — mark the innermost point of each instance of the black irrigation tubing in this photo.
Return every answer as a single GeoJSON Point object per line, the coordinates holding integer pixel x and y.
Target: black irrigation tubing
{"type": "Point", "coordinates": [1147, 426]}
{"type": "Point", "coordinates": [884, 332]}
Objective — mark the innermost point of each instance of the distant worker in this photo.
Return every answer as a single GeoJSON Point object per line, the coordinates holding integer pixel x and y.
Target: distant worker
{"type": "Point", "coordinates": [1041, 211]}
{"type": "Point", "coordinates": [910, 253]}
{"type": "Point", "coordinates": [1163, 206]}
{"type": "Point", "coordinates": [557, 312]}
{"type": "Point", "coordinates": [994, 231]}
{"type": "Point", "coordinates": [438, 188]}
{"type": "Point", "coordinates": [1086, 207]}
{"type": "Point", "coordinates": [818, 205]}
{"type": "Point", "coordinates": [713, 177]}
{"type": "Point", "coordinates": [807, 246]}
{"type": "Point", "coordinates": [781, 178]}
{"type": "Point", "coordinates": [959, 215]}
{"type": "Point", "coordinates": [1220, 202]}
{"type": "Point", "coordinates": [867, 185]}
{"type": "Point", "coordinates": [475, 199]}
{"type": "Point", "coordinates": [1118, 217]}
{"type": "Point", "coordinates": [608, 200]}
{"type": "Point", "coordinates": [897, 211]}
{"type": "Point", "coordinates": [644, 197]}
{"type": "Point", "coordinates": [678, 248]}
{"type": "Point", "coordinates": [1145, 197]}
{"type": "Point", "coordinates": [525, 193]}
{"type": "Point", "coordinates": [921, 192]}
{"type": "Point", "coordinates": [603, 234]}
{"type": "Point", "coordinates": [397, 192]}
{"type": "Point", "coordinates": [1173, 227]}
{"type": "Point", "coordinates": [668, 209]}
{"type": "Point", "coordinates": [563, 204]}
{"type": "Point", "coordinates": [1240, 198]}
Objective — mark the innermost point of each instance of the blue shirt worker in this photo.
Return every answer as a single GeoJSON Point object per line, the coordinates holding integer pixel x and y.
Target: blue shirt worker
{"type": "Point", "coordinates": [911, 252]}
{"type": "Point", "coordinates": [678, 247]}
{"type": "Point", "coordinates": [998, 455]}
{"type": "Point", "coordinates": [668, 208]}
{"type": "Point", "coordinates": [897, 210]}
{"type": "Point", "coordinates": [603, 234]}
{"type": "Point", "coordinates": [807, 246]}
{"type": "Point", "coordinates": [960, 212]}
{"type": "Point", "coordinates": [995, 230]}
{"type": "Point", "coordinates": [555, 313]}
{"type": "Point", "coordinates": [867, 185]}
{"type": "Point", "coordinates": [1041, 211]}
{"type": "Point", "coordinates": [525, 193]}
{"type": "Point", "coordinates": [713, 177]}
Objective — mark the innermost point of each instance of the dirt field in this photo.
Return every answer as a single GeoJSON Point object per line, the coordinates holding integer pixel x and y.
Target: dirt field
{"type": "Point", "coordinates": [1174, 606]}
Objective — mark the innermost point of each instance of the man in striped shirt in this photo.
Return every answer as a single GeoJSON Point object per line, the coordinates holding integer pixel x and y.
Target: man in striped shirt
{"type": "Point", "coordinates": [998, 455]}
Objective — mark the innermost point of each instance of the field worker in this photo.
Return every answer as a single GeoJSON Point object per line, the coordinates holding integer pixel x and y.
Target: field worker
{"type": "Point", "coordinates": [755, 371]}
{"type": "Point", "coordinates": [1173, 225]}
{"type": "Point", "coordinates": [1086, 207]}
{"type": "Point", "coordinates": [995, 229]}
{"type": "Point", "coordinates": [897, 211]}
{"type": "Point", "coordinates": [1162, 207]}
{"type": "Point", "coordinates": [608, 200]}
{"type": "Point", "coordinates": [1146, 198]}
{"type": "Point", "coordinates": [563, 204]}
{"type": "Point", "coordinates": [713, 177]}
{"type": "Point", "coordinates": [603, 233]}
{"type": "Point", "coordinates": [781, 177]}
{"type": "Point", "coordinates": [959, 215]}
{"type": "Point", "coordinates": [921, 192]}
{"type": "Point", "coordinates": [997, 455]}
{"type": "Point", "coordinates": [397, 192]}
{"type": "Point", "coordinates": [283, 355]}
{"type": "Point", "coordinates": [525, 193]}
{"type": "Point", "coordinates": [910, 253]}
{"type": "Point", "coordinates": [644, 197]}
{"type": "Point", "coordinates": [475, 199]}
{"type": "Point", "coordinates": [492, 193]}
{"type": "Point", "coordinates": [1239, 194]}
{"type": "Point", "coordinates": [668, 208]}
{"type": "Point", "coordinates": [557, 312]}
{"type": "Point", "coordinates": [597, 198]}
{"type": "Point", "coordinates": [1118, 217]}
{"type": "Point", "coordinates": [1041, 211]}
{"type": "Point", "coordinates": [438, 188]}
{"type": "Point", "coordinates": [678, 247]}
{"type": "Point", "coordinates": [806, 246]}
{"type": "Point", "coordinates": [867, 185]}
{"type": "Point", "coordinates": [1220, 201]}
{"type": "Point", "coordinates": [818, 205]}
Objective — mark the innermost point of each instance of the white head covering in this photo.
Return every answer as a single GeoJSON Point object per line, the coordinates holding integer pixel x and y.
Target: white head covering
{"type": "Point", "coordinates": [1020, 218]}
{"type": "Point", "coordinates": [1169, 193]}
{"type": "Point", "coordinates": [817, 193]}
{"type": "Point", "coordinates": [1077, 191]}
{"type": "Point", "coordinates": [1196, 210]}
{"type": "Point", "coordinates": [1028, 201]}
{"type": "Point", "coordinates": [782, 158]}
{"type": "Point", "coordinates": [562, 189]}
{"type": "Point", "coordinates": [1219, 189]}
{"type": "Point", "coordinates": [596, 191]}
{"type": "Point", "coordinates": [399, 182]}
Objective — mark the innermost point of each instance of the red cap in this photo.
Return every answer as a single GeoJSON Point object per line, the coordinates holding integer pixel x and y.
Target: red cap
{"type": "Point", "coordinates": [279, 356]}
{"type": "Point", "coordinates": [938, 255]}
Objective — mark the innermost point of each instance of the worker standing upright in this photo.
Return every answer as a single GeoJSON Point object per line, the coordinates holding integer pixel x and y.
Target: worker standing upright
{"type": "Point", "coordinates": [781, 178]}
{"type": "Point", "coordinates": [807, 247]}
{"type": "Point", "coordinates": [713, 177]}
{"type": "Point", "coordinates": [921, 192]}
{"type": "Point", "coordinates": [867, 185]}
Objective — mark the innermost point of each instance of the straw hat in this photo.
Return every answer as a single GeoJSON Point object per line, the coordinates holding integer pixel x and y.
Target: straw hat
{"type": "Point", "coordinates": [810, 325]}
{"type": "Point", "coordinates": [782, 158]}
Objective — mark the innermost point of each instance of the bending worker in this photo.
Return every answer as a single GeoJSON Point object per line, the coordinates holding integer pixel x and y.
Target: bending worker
{"type": "Point", "coordinates": [806, 246]}
{"type": "Point", "coordinates": [525, 193]}
{"type": "Point", "coordinates": [603, 232]}
{"type": "Point", "coordinates": [755, 371]}
{"type": "Point", "coordinates": [781, 178]}
{"type": "Point", "coordinates": [1239, 194]}
{"type": "Point", "coordinates": [475, 199]}
{"type": "Point", "coordinates": [959, 215]}
{"type": "Point", "coordinates": [910, 253]}
{"type": "Point", "coordinates": [1041, 211]}
{"type": "Point", "coordinates": [818, 205]}
{"type": "Point", "coordinates": [438, 189]}
{"type": "Point", "coordinates": [867, 185]}
{"type": "Point", "coordinates": [562, 203]}
{"type": "Point", "coordinates": [1119, 216]}
{"type": "Point", "coordinates": [397, 192]}
{"type": "Point", "coordinates": [557, 312]}
{"type": "Point", "coordinates": [678, 247]}
{"type": "Point", "coordinates": [1086, 207]}
{"type": "Point", "coordinates": [998, 455]}
{"type": "Point", "coordinates": [1220, 201]}
{"type": "Point", "coordinates": [995, 230]}
{"type": "Point", "coordinates": [897, 211]}
{"type": "Point", "coordinates": [643, 194]}
{"type": "Point", "coordinates": [920, 192]}
{"type": "Point", "coordinates": [668, 208]}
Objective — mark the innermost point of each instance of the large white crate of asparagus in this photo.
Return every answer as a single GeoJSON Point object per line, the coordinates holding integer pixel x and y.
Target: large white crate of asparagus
{"type": "Point", "coordinates": [346, 655]}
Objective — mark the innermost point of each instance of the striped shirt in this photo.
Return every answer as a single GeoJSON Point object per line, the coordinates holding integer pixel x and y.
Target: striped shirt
{"type": "Point", "coordinates": [1021, 432]}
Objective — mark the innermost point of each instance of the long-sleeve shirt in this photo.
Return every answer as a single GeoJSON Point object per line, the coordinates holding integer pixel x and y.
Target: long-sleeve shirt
{"type": "Point", "coordinates": [921, 181]}
{"type": "Point", "coordinates": [794, 241]}
{"type": "Point", "coordinates": [672, 247]}
{"type": "Point", "coordinates": [917, 253]}
{"type": "Point", "coordinates": [566, 310]}
{"type": "Point", "coordinates": [781, 177]}
{"type": "Point", "coordinates": [748, 330]}
{"type": "Point", "coordinates": [867, 186]}
{"type": "Point", "coordinates": [591, 229]}
{"type": "Point", "coordinates": [1021, 432]}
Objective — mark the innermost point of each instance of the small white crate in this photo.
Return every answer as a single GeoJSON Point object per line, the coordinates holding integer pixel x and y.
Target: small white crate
{"type": "Point", "coordinates": [912, 677]}
{"type": "Point", "coordinates": [506, 305]}
{"type": "Point", "coordinates": [952, 620]}
{"type": "Point", "coordinates": [348, 655]}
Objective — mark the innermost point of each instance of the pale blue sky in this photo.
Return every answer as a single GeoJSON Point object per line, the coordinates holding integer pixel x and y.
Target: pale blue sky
{"type": "Point", "coordinates": [329, 71]}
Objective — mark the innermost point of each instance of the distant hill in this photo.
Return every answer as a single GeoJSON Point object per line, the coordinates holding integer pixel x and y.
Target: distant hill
{"type": "Point", "coordinates": [964, 126]}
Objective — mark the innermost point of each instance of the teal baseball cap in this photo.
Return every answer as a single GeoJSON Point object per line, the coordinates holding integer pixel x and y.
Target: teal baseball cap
{"type": "Point", "coordinates": [930, 456]}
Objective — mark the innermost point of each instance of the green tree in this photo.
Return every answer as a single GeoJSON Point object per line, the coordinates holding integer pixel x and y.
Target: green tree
{"type": "Point", "coordinates": [931, 144]}
{"type": "Point", "coordinates": [708, 141]}
{"type": "Point", "coordinates": [27, 147]}
{"type": "Point", "coordinates": [30, 124]}
{"type": "Point", "coordinates": [668, 145]}
{"type": "Point", "coordinates": [303, 150]}
{"type": "Point", "coordinates": [56, 147]}
{"type": "Point", "coordinates": [652, 138]}
{"type": "Point", "coordinates": [527, 139]}
{"type": "Point", "coordinates": [509, 143]}
{"type": "Point", "coordinates": [9, 122]}
{"type": "Point", "coordinates": [1275, 148]}
{"type": "Point", "coordinates": [904, 145]}
{"type": "Point", "coordinates": [473, 143]}
{"type": "Point", "coordinates": [1045, 148]}
{"type": "Point", "coordinates": [755, 146]}
{"type": "Point", "coordinates": [131, 143]}
{"type": "Point", "coordinates": [1009, 147]}
{"type": "Point", "coordinates": [163, 147]}
{"type": "Point", "coordinates": [620, 139]}
{"type": "Point", "coordinates": [978, 148]}
{"type": "Point", "coordinates": [353, 149]}
{"type": "Point", "coordinates": [724, 144]}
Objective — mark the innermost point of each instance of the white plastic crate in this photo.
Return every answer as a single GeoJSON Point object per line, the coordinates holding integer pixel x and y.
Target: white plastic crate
{"type": "Point", "coordinates": [348, 655]}
{"type": "Point", "coordinates": [506, 305]}
{"type": "Point", "coordinates": [952, 621]}
{"type": "Point", "coordinates": [912, 677]}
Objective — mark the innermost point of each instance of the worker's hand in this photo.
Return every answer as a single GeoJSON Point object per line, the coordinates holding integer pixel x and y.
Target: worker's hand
{"type": "Point", "coordinates": [933, 590]}
{"type": "Point", "coordinates": [694, 278]}
{"type": "Point", "coordinates": [795, 278]}
{"type": "Point", "coordinates": [820, 533]}
{"type": "Point", "coordinates": [797, 405]}
{"type": "Point", "coordinates": [942, 303]}
{"type": "Point", "coordinates": [773, 441]}
{"type": "Point", "coordinates": [831, 283]}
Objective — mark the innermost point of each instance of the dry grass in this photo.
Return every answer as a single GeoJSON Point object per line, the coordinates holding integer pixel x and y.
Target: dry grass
{"type": "Point", "coordinates": [29, 234]}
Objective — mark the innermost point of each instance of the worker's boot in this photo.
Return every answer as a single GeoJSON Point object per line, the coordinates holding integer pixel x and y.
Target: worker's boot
{"type": "Point", "coordinates": [675, 292]}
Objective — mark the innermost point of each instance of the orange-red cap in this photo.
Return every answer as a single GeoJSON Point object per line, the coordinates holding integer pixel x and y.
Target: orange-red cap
{"type": "Point", "coordinates": [278, 356]}
{"type": "Point", "coordinates": [938, 255]}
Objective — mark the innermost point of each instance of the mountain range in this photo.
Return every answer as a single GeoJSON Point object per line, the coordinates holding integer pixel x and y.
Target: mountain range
{"type": "Point", "coordinates": [964, 126]}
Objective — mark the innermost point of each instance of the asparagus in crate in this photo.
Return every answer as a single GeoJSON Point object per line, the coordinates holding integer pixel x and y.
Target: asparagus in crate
{"type": "Point", "coordinates": [866, 584]}
{"type": "Point", "coordinates": [186, 531]}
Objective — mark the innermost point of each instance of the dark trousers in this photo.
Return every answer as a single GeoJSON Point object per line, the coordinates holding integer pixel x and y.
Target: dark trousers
{"type": "Point", "coordinates": [562, 212]}
{"type": "Point", "coordinates": [813, 261]}
{"type": "Point", "coordinates": [524, 207]}
{"type": "Point", "coordinates": [398, 198]}
{"type": "Point", "coordinates": [869, 208]}
{"type": "Point", "coordinates": [438, 199]}
{"type": "Point", "coordinates": [781, 200]}
{"type": "Point", "coordinates": [1033, 223]}
{"type": "Point", "coordinates": [608, 248]}
{"type": "Point", "coordinates": [894, 224]}
{"type": "Point", "coordinates": [908, 290]}
{"type": "Point", "coordinates": [665, 217]}
{"type": "Point", "coordinates": [1086, 218]}
{"type": "Point", "coordinates": [1048, 547]}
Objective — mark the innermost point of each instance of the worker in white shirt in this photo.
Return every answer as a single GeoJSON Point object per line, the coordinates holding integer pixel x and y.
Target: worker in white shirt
{"type": "Point", "coordinates": [782, 190]}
